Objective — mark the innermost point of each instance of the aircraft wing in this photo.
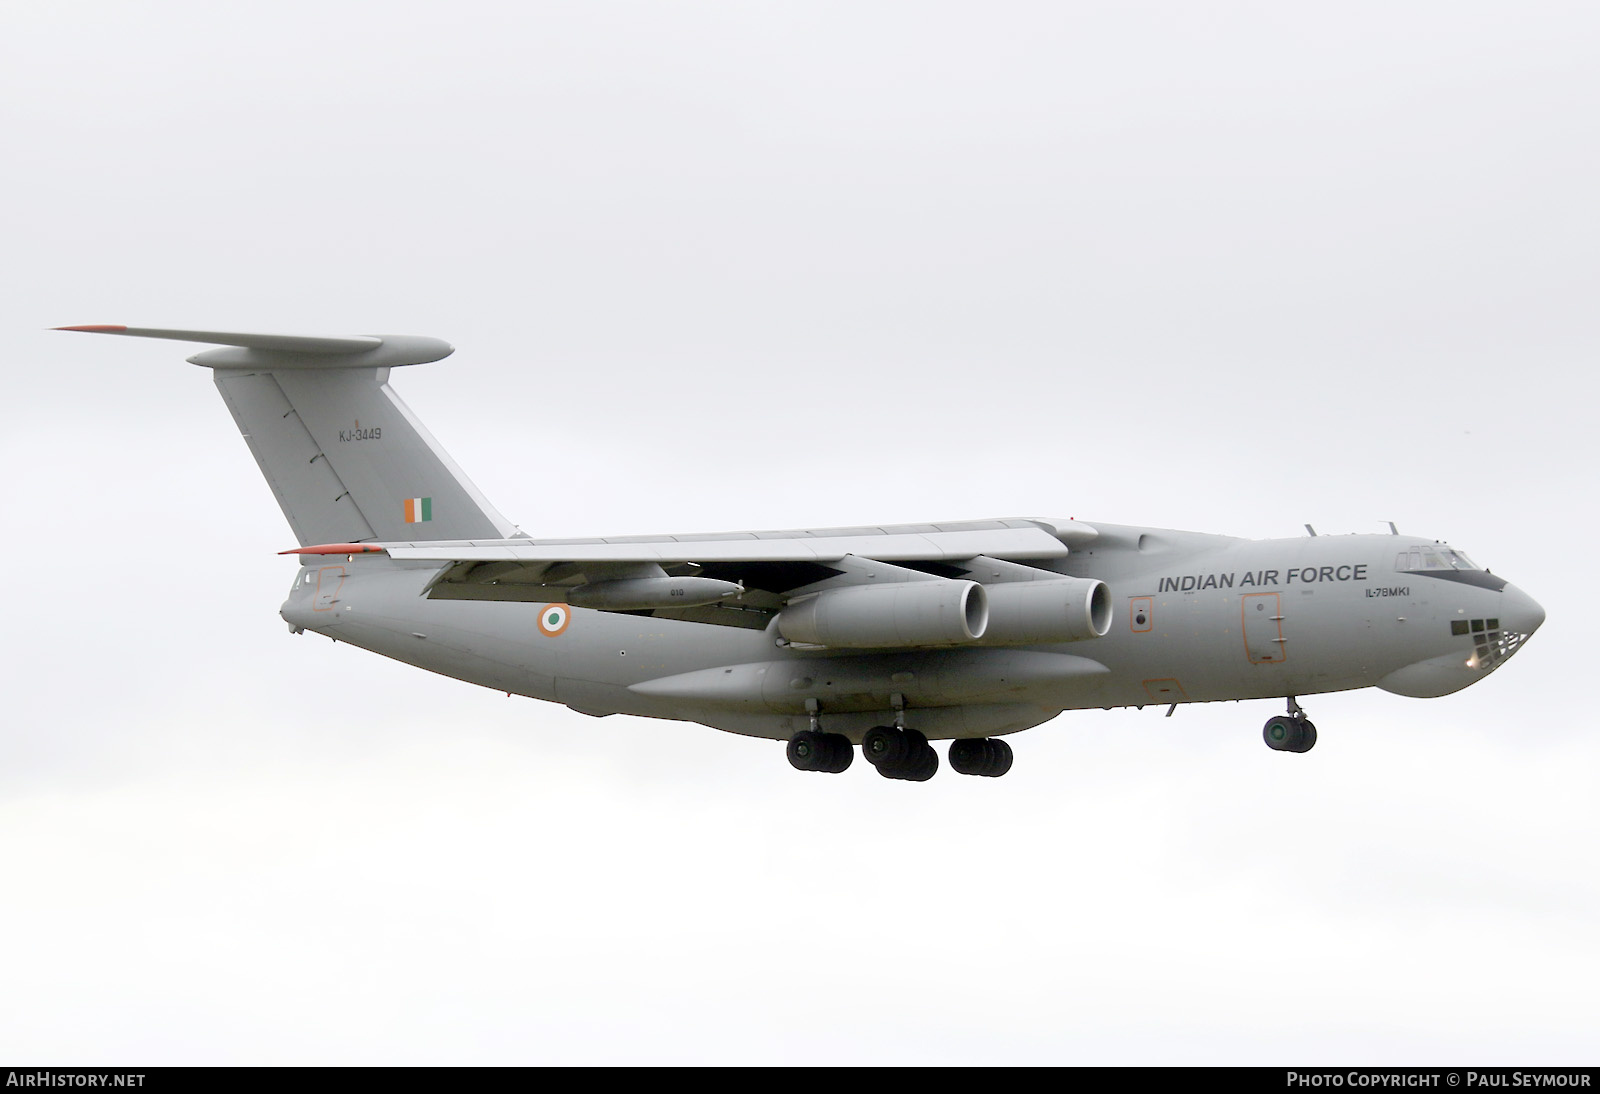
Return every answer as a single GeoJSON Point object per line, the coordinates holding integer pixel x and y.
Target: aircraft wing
{"type": "Point", "coordinates": [768, 567]}
{"type": "Point", "coordinates": [1018, 539]}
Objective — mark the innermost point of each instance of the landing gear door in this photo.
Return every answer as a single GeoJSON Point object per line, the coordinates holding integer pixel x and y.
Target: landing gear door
{"type": "Point", "coordinates": [1263, 628]}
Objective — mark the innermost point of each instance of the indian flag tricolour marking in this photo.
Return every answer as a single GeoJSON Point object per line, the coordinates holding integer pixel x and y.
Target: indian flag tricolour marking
{"type": "Point", "coordinates": [418, 510]}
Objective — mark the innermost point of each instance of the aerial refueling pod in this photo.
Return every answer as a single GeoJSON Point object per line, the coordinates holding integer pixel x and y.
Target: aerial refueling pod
{"type": "Point", "coordinates": [905, 614]}
{"type": "Point", "coordinates": [1025, 612]}
{"type": "Point", "coordinates": [636, 594]}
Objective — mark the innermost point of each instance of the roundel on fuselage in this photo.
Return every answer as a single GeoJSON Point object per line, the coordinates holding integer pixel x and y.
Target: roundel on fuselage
{"type": "Point", "coordinates": [553, 619]}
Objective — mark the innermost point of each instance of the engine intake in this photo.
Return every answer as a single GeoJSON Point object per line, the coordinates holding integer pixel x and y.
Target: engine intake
{"type": "Point", "coordinates": [906, 614]}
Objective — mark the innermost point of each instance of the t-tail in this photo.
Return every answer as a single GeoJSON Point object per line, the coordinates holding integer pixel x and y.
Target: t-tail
{"type": "Point", "coordinates": [345, 457]}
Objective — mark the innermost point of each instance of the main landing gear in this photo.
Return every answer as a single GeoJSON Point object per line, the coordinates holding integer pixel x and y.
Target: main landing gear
{"type": "Point", "coordinates": [906, 754]}
{"type": "Point", "coordinates": [897, 753]}
{"type": "Point", "coordinates": [900, 753]}
{"type": "Point", "coordinates": [1292, 732]}
{"type": "Point", "coordinates": [813, 751]}
{"type": "Point", "coordinates": [985, 756]}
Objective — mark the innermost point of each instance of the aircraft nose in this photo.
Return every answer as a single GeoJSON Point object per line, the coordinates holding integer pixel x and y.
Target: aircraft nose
{"type": "Point", "coordinates": [1519, 612]}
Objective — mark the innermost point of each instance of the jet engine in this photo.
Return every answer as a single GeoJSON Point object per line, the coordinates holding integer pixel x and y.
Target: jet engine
{"type": "Point", "coordinates": [901, 615]}
{"type": "Point", "coordinates": [1027, 612]}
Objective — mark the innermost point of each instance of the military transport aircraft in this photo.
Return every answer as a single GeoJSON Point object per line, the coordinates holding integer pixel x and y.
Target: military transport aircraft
{"type": "Point", "coordinates": [885, 638]}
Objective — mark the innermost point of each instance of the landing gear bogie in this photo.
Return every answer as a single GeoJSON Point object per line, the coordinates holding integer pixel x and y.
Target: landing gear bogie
{"type": "Point", "coordinates": [896, 751]}
{"type": "Point", "coordinates": [810, 750]}
{"type": "Point", "coordinates": [900, 753]}
{"type": "Point", "coordinates": [883, 745]}
{"type": "Point", "coordinates": [980, 756]}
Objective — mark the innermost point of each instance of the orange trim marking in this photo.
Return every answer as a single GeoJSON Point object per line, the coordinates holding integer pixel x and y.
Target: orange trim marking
{"type": "Point", "coordinates": [1146, 604]}
{"type": "Point", "coordinates": [332, 595]}
{"type": "Point", "coordinates": [1276, 603]}
{"type": "Point", "coordinates": [336, 549]}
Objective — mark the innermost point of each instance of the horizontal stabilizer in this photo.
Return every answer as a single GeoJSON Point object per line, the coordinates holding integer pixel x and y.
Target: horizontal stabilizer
{"type": "Point", "coordinates": [346, 459]}
{"type": "Point", "coordinates": [293, 351]}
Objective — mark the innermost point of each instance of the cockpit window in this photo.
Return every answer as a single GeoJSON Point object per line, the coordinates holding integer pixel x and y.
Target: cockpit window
{"type": "Point", "coordinates": [1436, 557]}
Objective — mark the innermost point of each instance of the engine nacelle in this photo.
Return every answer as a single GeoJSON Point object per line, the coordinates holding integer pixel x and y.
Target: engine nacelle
{"type": "Point", "coordinates": [645, 593]}
{"type": "Point", "coordinates": [1027, 612]}
{"type": "Point", "coordinates": [901, 615]}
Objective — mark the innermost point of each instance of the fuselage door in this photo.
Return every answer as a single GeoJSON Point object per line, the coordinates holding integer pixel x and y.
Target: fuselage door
{"type": "Point", "coordinates": [1263, 628]}
{"type": "Point", "coordinates": [329, 580]}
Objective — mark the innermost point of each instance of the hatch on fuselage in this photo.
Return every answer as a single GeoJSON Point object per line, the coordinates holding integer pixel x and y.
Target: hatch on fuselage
{"type": "Point", "coordinates": [1262, 621]}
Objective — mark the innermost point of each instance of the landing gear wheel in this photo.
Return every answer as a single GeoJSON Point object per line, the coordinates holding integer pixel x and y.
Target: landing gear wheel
{"type": "Point", "coordinates": [807, 751]}
{"type": "Point", "coordinates": [1286, 733]}
{"type": "Point", "coordinates": [922, 765]}
{"type": "Point", "coordinates": [999, 758]}
{"type": "Point", "coordinates": [900, 753]}
{"type": "Point", "coordinates": [843, 753]}
{"type": "Point", "coordinates": [969, 755]}
{"type": "Point", "coordinates": [1308, 737]}
{"type": "Point", "coordinates": [1280, 732]}
{"type": "Point", "coordinates": [885, 745]}
{"type": "Point", "coordinates": [922, 762]}
{"type": "Point", "coordinates": [980, 756]}
{"type": "Point", "coordinates": [812, 751]}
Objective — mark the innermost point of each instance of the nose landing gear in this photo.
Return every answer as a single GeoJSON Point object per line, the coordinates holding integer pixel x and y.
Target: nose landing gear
{"type": "Point", "coordinates": [1292, 732]}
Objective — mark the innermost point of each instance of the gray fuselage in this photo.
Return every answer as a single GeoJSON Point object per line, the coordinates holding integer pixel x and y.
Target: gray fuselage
{"type": "Point", "coordinates": [1195, 618]}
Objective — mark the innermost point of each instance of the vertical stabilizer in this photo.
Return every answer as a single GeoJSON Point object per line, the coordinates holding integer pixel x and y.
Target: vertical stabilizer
{"type": "Point", "coordinates": [347, 459]}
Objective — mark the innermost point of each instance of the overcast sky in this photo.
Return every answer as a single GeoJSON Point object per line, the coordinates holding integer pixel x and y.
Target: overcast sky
{"type": "Point", "coordinates": [1227, 267]}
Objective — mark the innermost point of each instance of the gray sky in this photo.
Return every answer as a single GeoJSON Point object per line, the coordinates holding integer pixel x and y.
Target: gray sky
{"type": "Point", "coordinates": [1227, 267]}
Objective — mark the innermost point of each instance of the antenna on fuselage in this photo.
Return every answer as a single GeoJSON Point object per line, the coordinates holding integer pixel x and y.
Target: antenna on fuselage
{"type": "Point", "coordinates": [1310, 531]}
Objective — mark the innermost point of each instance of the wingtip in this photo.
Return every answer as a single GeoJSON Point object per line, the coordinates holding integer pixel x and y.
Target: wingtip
{"type": "Point", "coordinates": [97, 328]}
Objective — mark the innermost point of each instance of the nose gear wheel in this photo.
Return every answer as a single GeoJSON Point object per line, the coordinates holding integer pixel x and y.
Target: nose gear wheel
{"type": "Point", "coordinates": [1286, 733]}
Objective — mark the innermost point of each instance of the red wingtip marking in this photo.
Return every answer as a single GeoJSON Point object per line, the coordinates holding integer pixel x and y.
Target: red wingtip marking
{"type": "Point", "coordinates": [336, 549]}
{"type": "Point", "coordinates": [98, 328]}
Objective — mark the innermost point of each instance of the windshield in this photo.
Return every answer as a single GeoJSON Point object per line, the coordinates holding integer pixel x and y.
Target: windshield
{"type": "Point", "coordinates": [1435, 557]}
